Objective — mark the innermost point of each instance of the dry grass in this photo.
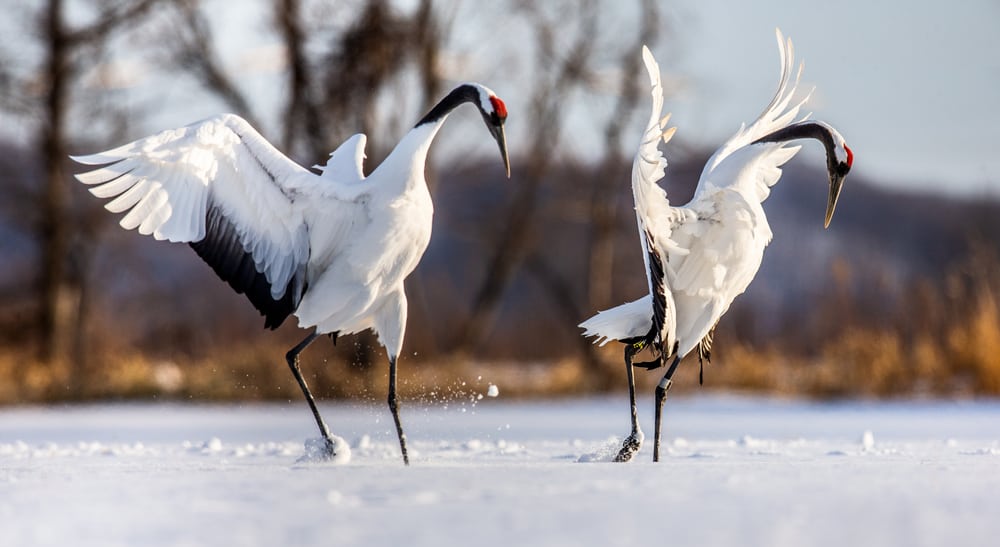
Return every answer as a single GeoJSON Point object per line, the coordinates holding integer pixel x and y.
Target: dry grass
{"type": "Point", "coordinates": [939, 341]}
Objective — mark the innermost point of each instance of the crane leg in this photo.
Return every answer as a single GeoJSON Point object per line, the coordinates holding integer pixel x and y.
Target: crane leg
{"type": "Point", "coordinates": [394, 408]}
{"type": "Point", "coordinates": [293, 362]}
{"type": "Point", "coordinates": [633, 442]}
{"type": "Point", "coordinates": [661, 396]}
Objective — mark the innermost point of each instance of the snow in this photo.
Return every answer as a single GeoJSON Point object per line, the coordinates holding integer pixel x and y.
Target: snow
{"type": "Point", "coordinates": [737, 471]}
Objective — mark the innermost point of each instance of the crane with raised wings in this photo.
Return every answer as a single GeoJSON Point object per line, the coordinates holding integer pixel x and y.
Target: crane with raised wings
{"type": "Point", "coordinates": [700, 256]}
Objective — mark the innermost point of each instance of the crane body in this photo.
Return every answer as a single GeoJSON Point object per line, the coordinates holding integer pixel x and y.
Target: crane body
{"type": "Point", "coordinates": [333, 249]}
{"type": "Point", "coordinates": [700, 256]}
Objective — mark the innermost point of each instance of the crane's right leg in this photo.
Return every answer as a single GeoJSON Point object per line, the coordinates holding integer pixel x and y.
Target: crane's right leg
{"type": "Point", "coordinates": [661, 396]}
{"type": "Point", "coordinates": [633, 442]}
{"type": "Point", "coordinates": [293, 362]}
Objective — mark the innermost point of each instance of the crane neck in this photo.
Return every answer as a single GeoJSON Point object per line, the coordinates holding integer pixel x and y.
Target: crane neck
{"type": "Point", "coordinates": [465, 93]}
{"type": "Point", "coordinates": [408, 159]}
{"type": "Point", "coordinates": [831, 140]}
{"type": "Point", "coordinates": [404, 166]}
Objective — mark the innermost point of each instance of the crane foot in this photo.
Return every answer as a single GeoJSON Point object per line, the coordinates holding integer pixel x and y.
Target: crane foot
{"type": "Point", "coordinates": [630, 446]}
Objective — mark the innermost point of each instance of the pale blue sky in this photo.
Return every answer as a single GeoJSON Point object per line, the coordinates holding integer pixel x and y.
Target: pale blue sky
{"type": "Point", "coordinates": [912, 85]}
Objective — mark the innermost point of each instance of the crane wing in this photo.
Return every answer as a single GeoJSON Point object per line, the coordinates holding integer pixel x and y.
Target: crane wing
{"type": "Point", "coordinates": [221, 187]}
{"type": "Point", "coordinates": [732, 157]}
{"type": "Point", "coordinates": [346, 163]}
{"type": "Point", "coordinates": [655, 217]}
{"type": "Point", "coordinates": [713, 270]}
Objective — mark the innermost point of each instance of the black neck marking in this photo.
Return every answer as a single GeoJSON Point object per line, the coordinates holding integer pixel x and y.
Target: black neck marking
{"type": "Point", "coordinates": [462, 94]}
{"type": "Point", "coordinates": [808, 130]}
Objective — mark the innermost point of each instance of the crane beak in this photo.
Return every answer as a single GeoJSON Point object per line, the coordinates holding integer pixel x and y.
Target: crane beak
{"type": "Point", "coordinates": [836, 185]}
{"type": "Point", "coordinates": [501, 138]}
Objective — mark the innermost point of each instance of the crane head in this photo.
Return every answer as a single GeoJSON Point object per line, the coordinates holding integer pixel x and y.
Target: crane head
{"type": "Point", "coordinates": [839, 157]}
{"type": "Point", "coordinates": [493, 110]}
{"type": "Point", "coordinates": [494, 113]}
{"type": "Point", "coordinates": [838, 165]}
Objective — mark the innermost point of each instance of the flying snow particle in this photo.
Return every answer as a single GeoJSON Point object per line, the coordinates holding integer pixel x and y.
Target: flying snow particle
{"type": "Point", "coordinates": [492, 391]}
{"type": "Point", "coordinates": [211, 446]}
{"type": "Point", "coordinates": [867, 441]}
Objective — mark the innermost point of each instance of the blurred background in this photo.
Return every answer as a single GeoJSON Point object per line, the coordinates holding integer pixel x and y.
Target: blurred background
{"type": "Point", "coordinates": [899, 298]}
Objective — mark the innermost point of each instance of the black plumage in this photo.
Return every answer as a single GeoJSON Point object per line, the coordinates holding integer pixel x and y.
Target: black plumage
{"type": "Point", "coordinates": [222, 249]}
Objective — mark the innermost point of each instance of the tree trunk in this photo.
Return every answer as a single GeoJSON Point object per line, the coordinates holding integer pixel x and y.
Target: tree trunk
{"type": "Point", "coordinates": [60, 298]}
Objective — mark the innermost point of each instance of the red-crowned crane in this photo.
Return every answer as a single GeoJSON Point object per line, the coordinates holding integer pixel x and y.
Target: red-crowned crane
{"type": "Point", "coordinates": [702, 255]}
{"type": "Point", "coordinates": [332, 249]}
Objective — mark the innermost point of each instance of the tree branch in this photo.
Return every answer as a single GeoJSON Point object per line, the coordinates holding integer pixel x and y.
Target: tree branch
{"type": "Point", "coordinates": [110, 20]}
{"type": "Point", "coordinates": [197, 54]}
{"type": "Point", "coordinates": [546, 112]}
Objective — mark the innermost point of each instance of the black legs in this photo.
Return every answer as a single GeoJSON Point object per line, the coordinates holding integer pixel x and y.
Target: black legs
{"type": "Point", "coordinates": [661, 396]}
{"type": "Point", "coordinates": [293, 362]}
{"type": "Point", "coordinates": [394, 408]}
{"type": "Point", "coordinates": [633, 442]}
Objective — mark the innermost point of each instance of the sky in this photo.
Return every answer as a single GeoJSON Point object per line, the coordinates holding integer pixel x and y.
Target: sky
{"type": "Point", "coordinates": [912, 85]}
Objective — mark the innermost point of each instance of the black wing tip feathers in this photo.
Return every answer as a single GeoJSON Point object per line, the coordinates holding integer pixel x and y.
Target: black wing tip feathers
{"type": "Point", "coordinates": [656, 274]}
{"type": "Point", "coordinates": [221, 249]}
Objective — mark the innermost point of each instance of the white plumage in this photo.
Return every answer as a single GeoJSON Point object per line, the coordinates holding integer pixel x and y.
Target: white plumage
{"type": "Point", "coordinates": [332, 249]}
{"type": "Point", "coordinates": [700, 256]}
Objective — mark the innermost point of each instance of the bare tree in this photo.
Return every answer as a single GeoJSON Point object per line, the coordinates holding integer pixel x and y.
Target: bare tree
{"type": "Point", "coordinates": [566, 68]}
{"type": "Point", "coordinates": [613, 170]}
{"type": "Point", "coordinates": [570, 67]}
{"type": "Point", "coordinates": [428, 36]}
{"type": "Point", "coordinates": [302, 110]}
{"type": "Point", "coordinates": [194, 52]}
{"type": "Point", "coordinates": [61, 283]}
{"type": "Point", "coordinates": [365, 59]}
{"type": "Point", "coordinates": [330, 93]}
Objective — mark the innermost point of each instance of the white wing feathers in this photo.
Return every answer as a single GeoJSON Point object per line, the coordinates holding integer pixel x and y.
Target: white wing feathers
{"type": "Point", "coordinates": [655, 217]}
{"type": "Point", "coordinates": [346, 163]}
{"type": "Point", "coordinates": [728, 241]}
{"type": "Point", "coordinates": [778, 114]}
{"type": "Point", "coordinates": [649, 165]}
{"type": "Point", "coordinates": [171, 182]}
{"type": "Point", "coordinates": [656, 220]}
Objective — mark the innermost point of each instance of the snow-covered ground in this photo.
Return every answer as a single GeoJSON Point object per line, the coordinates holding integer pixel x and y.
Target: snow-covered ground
{"type": "Point", "coordinates": [738, 471]}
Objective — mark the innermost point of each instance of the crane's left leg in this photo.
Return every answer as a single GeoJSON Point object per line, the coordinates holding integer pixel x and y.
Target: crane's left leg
{"type": "Point", "coordinates": [394, 408]}
{"type": "Point", "coordinates": [633, 442]}
{"type": "Point", "coordinates": [390, 320]}
{"type": "Point", "coordinates": [293, 363]}
{"type": "Point", "coordinates": [661, 396]}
